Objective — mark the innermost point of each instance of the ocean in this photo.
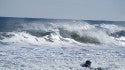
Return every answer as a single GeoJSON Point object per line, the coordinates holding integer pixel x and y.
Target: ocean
{"type": "Point", "coordinates": [61, 44]}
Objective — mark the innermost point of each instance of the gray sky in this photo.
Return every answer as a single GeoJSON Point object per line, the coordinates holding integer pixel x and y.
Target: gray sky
{"type": "Point", "coordinates": [71, 9]}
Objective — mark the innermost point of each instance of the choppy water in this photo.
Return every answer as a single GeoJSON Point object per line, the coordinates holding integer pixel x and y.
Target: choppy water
{"type": "Point", "coordinates": [61, 44]}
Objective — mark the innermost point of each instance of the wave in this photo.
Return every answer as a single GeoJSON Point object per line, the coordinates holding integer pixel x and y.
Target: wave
{"type": "Point", "coordinates": [39, 32]}
{"type": "Point", "coordinates": [118, 33]}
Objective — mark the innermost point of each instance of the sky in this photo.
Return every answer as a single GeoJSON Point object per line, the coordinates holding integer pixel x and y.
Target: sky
{"type": "Point", "coordinates": [65, 9]}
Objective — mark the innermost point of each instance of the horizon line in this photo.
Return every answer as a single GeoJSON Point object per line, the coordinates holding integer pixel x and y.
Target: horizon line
{"type": "Point", "coordinates": [61, 18]}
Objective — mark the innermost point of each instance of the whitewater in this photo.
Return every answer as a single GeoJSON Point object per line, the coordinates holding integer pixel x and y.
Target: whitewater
{"type": "Point", "coordinates": [61, 44]}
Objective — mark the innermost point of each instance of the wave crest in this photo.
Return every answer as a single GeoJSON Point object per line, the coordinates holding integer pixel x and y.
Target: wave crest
{"type": "Point", "coordinates": [73, 31]}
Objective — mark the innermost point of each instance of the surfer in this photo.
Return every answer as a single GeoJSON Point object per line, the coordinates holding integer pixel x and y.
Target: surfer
{"type": "Point", "coordinates": [87, 64]}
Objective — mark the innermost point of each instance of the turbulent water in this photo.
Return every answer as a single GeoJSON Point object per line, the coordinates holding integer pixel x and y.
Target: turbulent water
{"type": "Point", "coordinates": [45, 42]}
{"type": "Point", "coordinates": [16, 30]}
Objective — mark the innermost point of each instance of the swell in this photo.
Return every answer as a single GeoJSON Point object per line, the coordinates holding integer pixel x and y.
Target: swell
{"type": "Point", "coordinates": [63, 35]}
{"type": "Point", "coordinates": [76, 36]}
{"type": "Point", "coordinates": [80, 31]}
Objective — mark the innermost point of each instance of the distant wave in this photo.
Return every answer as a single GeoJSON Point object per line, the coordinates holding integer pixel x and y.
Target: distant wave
{"type": "Point", "coordinates": [39, 31]}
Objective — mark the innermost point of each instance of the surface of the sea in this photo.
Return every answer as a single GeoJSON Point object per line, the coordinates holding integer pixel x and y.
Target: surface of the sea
{"type": "Point", "coordinates": [61, 44]}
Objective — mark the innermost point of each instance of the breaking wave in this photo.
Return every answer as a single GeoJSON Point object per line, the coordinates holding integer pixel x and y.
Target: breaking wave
{"type": "Point", "coordinates": [68, 31]}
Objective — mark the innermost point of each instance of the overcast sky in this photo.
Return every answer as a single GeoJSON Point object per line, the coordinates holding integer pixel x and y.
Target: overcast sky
{"type": "Point", "coordinates": [71, 9]}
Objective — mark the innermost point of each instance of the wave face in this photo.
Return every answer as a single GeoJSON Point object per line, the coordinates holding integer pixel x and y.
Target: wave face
{"type": "Point", "coordinates": [39, 31]}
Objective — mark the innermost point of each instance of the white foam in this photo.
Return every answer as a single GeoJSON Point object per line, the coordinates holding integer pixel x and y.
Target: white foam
{"type": "Point", "coordinates": [83, 29]}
